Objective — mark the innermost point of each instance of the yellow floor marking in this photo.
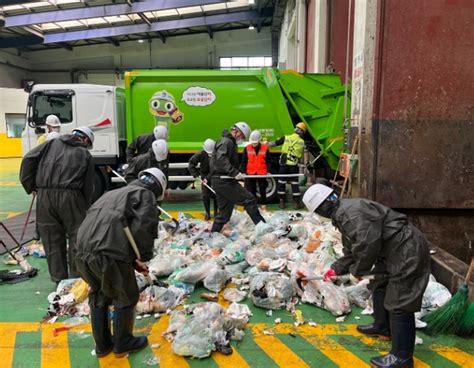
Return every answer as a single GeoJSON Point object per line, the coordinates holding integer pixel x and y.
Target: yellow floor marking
{"type": "Point", "coordinates": [8, 332]}
{"type": "Point", "coordinates": [164, 352]}
{"type": "Point", "coordinates": [233, 360]}
{"type": "Point", "coordinates": [194, 214]}
{"type": "Point", "coordinates": [455, 355]}
{"type": "Point", "coordinates": [12, 214]}
{"type": "Point", "coordinates": [278, 352]}
{"type": "Point", "coordinates": [110, 361]}
{"type": "Point", "coordinates": [54, 350]}
{"type": "Point", "coordinates": [9, 184]}
{"type": "Point", "coordinates": [335, 351]}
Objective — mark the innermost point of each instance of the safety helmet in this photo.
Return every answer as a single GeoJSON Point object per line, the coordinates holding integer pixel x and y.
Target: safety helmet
{"type": "Point", "coordinates": [159, 178]}
{"type": "Point", "coordinates": [244, 128]}
{"type": "Point", "coordinates": [87, 132]}
{"type": "Point", "coordinates": [315, 195]}
{"type": "Point", "coordinates": [162, 95]}
{"type": "Point", "coordinates": [160, 149]}
{"type": "Point", "coordinates": [53, 121]}
{"type": "Point", "coordinates": [209, 145]}
{"type": "Point", "coordinates": [161, 132]}
{"type": "Point", "coordinates": [301, 126]}
{"type": "Point", "coordinates": [52, 135]}
{"type": "Point", "coordinates": [255, 137]}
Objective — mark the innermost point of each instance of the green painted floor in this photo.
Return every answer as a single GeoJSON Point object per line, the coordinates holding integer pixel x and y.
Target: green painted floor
{"type": "Point", "coordinates": [24, 342]}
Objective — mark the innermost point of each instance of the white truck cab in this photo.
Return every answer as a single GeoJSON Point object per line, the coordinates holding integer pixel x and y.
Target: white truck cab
{"type": "Point", "coordinates": [102, 109]}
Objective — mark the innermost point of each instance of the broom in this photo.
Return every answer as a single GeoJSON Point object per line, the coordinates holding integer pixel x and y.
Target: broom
{"type": "Point", "coordinates": [465, 326]}
{"type": "Point", "coordinates": [446, 318]}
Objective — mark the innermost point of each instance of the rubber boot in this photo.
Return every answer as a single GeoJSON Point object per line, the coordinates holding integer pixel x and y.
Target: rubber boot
{"type": "Point", "coordinates": [282, 204]}
{"type": "Point", "coordinates": [207, 217]}
{"type": "Point", "coordinates": [403, 342]}
{"type": "Point", "coordinates": [381, 325]}
{"type": "Point", "coordinates": [298, 204]}
{"type": "Point", "coordinates": [124, 341]}
{"type": "Point", "coordinates": [101, 331]}
{"type": "Point", "coordinates": [216, 227]}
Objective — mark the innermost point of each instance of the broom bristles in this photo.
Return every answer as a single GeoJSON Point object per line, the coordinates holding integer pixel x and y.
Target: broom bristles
{"type": "Point", "coordinates": [466, 324]}
{"type": "Point", "coordinates": [446, 318]}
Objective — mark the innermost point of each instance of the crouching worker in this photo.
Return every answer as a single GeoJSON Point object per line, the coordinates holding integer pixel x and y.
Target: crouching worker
{"type": "Point", "coordinates": [378, 240]}
{"type": "Point", "coordinates": [106, 259]}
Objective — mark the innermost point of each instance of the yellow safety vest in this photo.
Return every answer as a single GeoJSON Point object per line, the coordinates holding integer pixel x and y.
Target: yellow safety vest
{"type": "Point", "coordinates": [293, 148]}
{"type": "Point", "coordinates": [42, 138]}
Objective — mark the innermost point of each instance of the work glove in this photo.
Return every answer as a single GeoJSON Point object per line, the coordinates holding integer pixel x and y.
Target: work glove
{"type": "Point", "coordinates": [204, 180]}
{"type": "Point", "coordinates": [239, 176]}
{"type": "Point", "coordinates": [141, 267]}
{"type": "Point", "coordinates": [329, 275]}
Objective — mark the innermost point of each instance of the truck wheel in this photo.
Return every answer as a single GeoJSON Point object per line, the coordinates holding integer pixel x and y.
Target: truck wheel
{"type": "Point", "coordinates": [272, 195]}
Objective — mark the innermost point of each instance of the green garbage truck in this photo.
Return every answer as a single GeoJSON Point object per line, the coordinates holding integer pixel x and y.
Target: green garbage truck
{"type": "Point", "coordinates": [194, 105]}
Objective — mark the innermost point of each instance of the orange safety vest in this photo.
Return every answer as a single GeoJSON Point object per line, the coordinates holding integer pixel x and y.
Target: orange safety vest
{"type": "Point", "coordinates": [256, 164]}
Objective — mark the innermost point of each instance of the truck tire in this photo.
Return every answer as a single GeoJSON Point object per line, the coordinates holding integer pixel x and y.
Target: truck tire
{"type": "Point", "coordinates": [272, 195]}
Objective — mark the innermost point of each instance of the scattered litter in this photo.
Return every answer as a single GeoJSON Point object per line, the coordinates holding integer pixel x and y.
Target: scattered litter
{"type": "Point", "coordinates": [146, 315]}
{"type": "Point", "coordinates": [277, 320]}
{"type": "Point", "coordinates": [367, 311]}
{"type": "Point", "coordinates": [357, 317]}
{"type": "Point", "coordinates": [418, 341]}
{"type": "Point", "coordinates": [37, 293]}
{"type": "Point", "coordinates": [340, 319]}
{"type": "Point", "coordinates": [269, 313]}
{"type": "Point", "coordinates": [299, 318]}
{"type": "Point", "coordinates": [152, 360]}
{"type": "Point", "coordinates": [268, 332]}
{"type": "Point", "coordinates": [213, 297]}
{"type": "Point", "coordinates": [419, 323]}
{"type": "Point", "coordinates": [139, 317]}
{"type": "Point", "coordinates": [156, 315]}
{"type": "Point", "coordinates": [155, 346]}
{"type": "Point", "coordinates": [312, 323]}
{"type": "Point", "coordinates": [93, 352]}
{"type": "Point", "coordinates": [234, 295]}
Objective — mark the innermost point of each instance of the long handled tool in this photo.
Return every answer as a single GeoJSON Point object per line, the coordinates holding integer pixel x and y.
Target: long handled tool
{"type": "Point", "coordinates": [176, 222]}
{"type": "Point", "coordinates": [117, 174]}
{"type": "Point", "coordinates": [269, 176]}
{"type": "Point", "coordinates": [28, 217]}
{"type": "Point", "coordinates": [207, 186]}
{"type": "Point", "coordinates": [130, 238]}
{"type": "Point", "coordinates": [339, 278]}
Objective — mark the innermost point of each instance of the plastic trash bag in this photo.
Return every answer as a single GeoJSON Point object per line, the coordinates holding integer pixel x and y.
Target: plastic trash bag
{"type": "Point", "coordinates": [236, 316]}
{"type": "Point", "coordinates": [271, 290]}
{"type": "Point", "coordinates": [234, 295]}
{"type": "Point", "coordinates": [298, 232]}
{"type": "Point", "coordinates": [233, 253]}
{"type": "Point", "coordinates": [176, 321]}
{"type": "Point", "coordinates": [435, 295]}
{"type": "Point", "coordinates": [328, 296]}
{"type": "Point", "coordinates": [359, 294]}
{"type": "Point", "coordinates": [216, 280]}
{"type": "Point", "coordinates": [217, 240]}
{"type": "Point", "coordinates": [280, 220]}
{"type": "Point", "coordinates": [236, 269]}
{"type": "Point", "coordinates": [195, 272]}
{"type": "Point", "coordinates": [165, 266]}
{"type": "Point", "coordinates": [256, 254]}
{"type": "Point", "coordinates": [261, 229]}
{"type": "Point", "coordinates": [155, 299]}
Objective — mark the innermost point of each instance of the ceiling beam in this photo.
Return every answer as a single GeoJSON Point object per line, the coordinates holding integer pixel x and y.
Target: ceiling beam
{"type": "Point", "coordinates": [100, 11]}
{"type": "Point", "coordinates": [156, 26]}
{"type": "Point", "coordinates": [7, 42]}
{"type": "Point", "coordinates": [16, 2]}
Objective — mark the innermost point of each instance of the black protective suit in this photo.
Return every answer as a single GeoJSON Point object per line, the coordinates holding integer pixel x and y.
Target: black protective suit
{"type": "Point", "coordinates": [143, 162]}
{"type": "Point", "coordinates": [105, 258]}
{"type": "Point", "coordinates": [378, 240]}
{"type": "Point", "coordinates": [225, 162]}
{"type": "Point", "coordinates": [202, 159]}
{"type": "Point", "coordinates": [139, 146]}
{"type": "Point", "coordinates": [62, 172]}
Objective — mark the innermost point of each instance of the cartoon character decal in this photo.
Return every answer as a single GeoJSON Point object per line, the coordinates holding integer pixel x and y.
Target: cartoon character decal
{"type": "Point", "coordinates": [163, 107]}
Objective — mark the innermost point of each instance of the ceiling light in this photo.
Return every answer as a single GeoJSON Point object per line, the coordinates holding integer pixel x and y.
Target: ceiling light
{"type": "Point", "coordinates": [251, 27]}
{"type": "Point", "coordinates": [141, 41]}
{"type": "Point", "coordinates": [251, 2]}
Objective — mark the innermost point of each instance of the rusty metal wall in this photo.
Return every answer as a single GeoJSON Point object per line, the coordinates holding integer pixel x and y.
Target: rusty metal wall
{"type": "Point", "coordinates": [337, 35]}
{"type": "Point", "coordinates": [423, 124]}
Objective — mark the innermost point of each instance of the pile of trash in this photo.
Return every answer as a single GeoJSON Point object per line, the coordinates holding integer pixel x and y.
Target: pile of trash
{"type": "Point", "coordinates": [262, 264]}
{"type": "Point", "coordinates": [69, 299]}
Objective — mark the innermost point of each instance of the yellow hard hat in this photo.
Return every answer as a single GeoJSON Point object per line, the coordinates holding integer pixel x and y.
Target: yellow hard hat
{"type": "Point", "coordinates": [301, 126]}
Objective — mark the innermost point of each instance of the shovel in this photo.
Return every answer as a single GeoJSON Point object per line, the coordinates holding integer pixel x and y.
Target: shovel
{"type": "Point", "coordinates": [172, 230]}
{"type": "Point", "coordinates": [207, 186]}
{"type": "Point", "coordinates": [117, 174]}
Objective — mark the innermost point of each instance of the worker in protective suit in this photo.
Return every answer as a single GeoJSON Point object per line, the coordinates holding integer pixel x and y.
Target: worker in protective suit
{"type": "Point", "coordinates": [107, 261]}
{"type": "Point", "coordinates": [202, 159]}
{"type": "Point", "coordinates": [53, 124]}
{"type": "Point", "coordinates": [256, 161]}
{"type": "Point", "coordinates": [62, 172]}
{"type": "Point", "coordinates": [157, 157]}
{"type": "Point", "coordinates": [142, 144]}
{"type": "Point", "coordinates": [378, 240]}
{"type": "Point", "coordinates": [291, 154]}
{"type": "Point", "coordinates": [225, 162]}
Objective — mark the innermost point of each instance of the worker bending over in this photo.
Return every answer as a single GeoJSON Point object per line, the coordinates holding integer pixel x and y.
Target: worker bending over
{"type": "Point", "coordinates": [53, 125]}
{"type": "Point", "coordinates": [202, 159]}
{"type": "Point", "coordinates": [291, 154]}
{"type": "Point", "coordinates": [256, 161]}
{"type": "Point", "coordinates": [378, 240]}
{"type": "Point", "coordinates": [157, 156]}
{"type": "Point", "coordinates": [62, 172]}
{"type": "Point", "coordinates": [107, 261]}
{"type": "Point", "coordinates": [225, 162]}
{"type": "Point", "coordinates": [142, 144]}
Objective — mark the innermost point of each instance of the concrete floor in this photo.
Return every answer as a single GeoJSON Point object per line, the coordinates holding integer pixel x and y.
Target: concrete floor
{"type": "Point", "coordinates": [24, 342]}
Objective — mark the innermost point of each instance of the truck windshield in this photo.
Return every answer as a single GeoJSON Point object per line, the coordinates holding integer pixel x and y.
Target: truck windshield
{"type": "Point", "coordinates": [47, 104]}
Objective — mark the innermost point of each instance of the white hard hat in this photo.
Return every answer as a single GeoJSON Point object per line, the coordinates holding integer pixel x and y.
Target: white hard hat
{"type": "Point", "coordinates": [315, 195]}
{"type": "Point", "coordinates": [88, 132]}
{"type": "Point", "coordinates": [160, 178]}
{"type": "Point", "coordinates": [255, 137]}
{"type": "Point", "coordinates": [244, 128]}
{"type": "Point", "coordinates": [53, 120]}
{"type": "Point", "coordinates": [52, 135]}
{"type": "Point", "coordinates": [209, 145]}
{"type": "Point", "coordinates": [160, 149]}
{"type": "Point", "coordinates": [161, 132]}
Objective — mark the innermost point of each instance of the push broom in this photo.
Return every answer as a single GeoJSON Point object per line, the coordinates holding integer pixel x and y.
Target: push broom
{"type": "Point", "coordinates": [447, 318]}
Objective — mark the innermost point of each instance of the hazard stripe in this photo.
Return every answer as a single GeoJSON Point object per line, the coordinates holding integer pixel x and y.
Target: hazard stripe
{"type": "Point", "coordinates": [54, 349]}
{"type": "Point", "coordinates": [455, 355]}
{"type": "Point", "coordinates": [8, 332]}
